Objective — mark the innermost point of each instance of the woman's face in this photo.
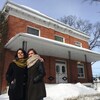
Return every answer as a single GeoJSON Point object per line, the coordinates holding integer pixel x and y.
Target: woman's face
{"type": "Point", "coordinates": [20, 54]}
{"type": "Point", "coordinates": [31, 53]}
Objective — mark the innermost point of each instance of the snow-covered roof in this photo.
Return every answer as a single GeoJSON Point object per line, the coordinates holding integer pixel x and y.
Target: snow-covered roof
{"type": "Point", "coordinates": [54, 48]}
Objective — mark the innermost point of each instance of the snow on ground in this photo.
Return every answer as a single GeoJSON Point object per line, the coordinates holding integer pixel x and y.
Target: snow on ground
{"type": "Point", "coordinates": [67, 91]}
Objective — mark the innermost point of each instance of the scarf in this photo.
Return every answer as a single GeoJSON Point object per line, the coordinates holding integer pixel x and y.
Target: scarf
{"type": "Point", "coordinates": [32, 60]}
{"type": "Point", "coordinates": [22, 63]}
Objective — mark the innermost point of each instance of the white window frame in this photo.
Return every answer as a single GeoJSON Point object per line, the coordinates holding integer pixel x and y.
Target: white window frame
{"type": "Point", "coordinates": [60, 37]}
{"type": "Point", "coordinates": [77, 43]}
{"type": "Point", "coordinates": [34, 28]}
{"type": "Point", "coordinates": [81, 65]}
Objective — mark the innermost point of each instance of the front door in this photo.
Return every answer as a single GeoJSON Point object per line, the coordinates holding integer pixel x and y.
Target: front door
{"type": "Point", "coordinates": [61, 72]}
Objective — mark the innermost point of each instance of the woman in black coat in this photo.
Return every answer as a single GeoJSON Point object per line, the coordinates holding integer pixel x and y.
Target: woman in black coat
{"type": "Point", "coordinates": [36, 72]}
{"type": "Point", "coordinates": [16, 76]}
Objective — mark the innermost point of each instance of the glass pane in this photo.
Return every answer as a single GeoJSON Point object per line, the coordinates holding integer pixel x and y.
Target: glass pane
{"type": "Point", "coordinates": [33, 31]}
{"type": "Point", "coordinates": [80, 72]}
{"type": "Point", "coordinates": [59, 38]}
{"type": "Point", "coordinates": [63, 69]}
{"type": "Point", "coordinates": [57, 69]}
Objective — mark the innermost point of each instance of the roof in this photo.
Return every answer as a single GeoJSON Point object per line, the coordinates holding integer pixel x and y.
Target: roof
{"type": "Point", "coordinates": [53, 48]}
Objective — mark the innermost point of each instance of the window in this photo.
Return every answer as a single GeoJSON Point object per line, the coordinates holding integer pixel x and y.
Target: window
{"type": "Point", "coordinates": [33, 31]}
{"type": "Point", "coordinates": [80, 70]}
{"type": "Point", "coordinates": [77, 43]}
{"type": "Point", "coordinates": [58, 38]}
{"type": "Point", "coordinates": [63, 69]}
{"type": "Point", "coordinates": [57, 69]}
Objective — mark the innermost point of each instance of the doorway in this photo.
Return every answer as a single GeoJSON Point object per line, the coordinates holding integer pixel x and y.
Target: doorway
{"type": "Point", "coordinates": [61, 72]}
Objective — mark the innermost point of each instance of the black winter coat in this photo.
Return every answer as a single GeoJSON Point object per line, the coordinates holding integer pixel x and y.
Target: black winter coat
{"type": "Point", "coordinates": [19, 76]}
{"type": "Point", "coordinates": [36, 87]}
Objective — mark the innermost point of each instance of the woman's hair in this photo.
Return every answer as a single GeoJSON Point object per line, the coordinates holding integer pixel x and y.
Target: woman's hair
{"type": "Point", "coordinates": [24, 52]}
{"type": "Point", "coordinates": [32, 50]}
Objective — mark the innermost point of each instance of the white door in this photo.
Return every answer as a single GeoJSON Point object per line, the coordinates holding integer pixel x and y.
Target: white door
{"type": "Point", "coordinates": [61, 73]}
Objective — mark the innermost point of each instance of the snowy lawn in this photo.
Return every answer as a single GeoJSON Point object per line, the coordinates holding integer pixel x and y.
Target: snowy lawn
{"type": "Point", "coordinates": [67, 92]}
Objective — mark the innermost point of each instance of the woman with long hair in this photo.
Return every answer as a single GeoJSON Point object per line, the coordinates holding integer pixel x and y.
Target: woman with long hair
{"type": "Point", "coordinates": [16, 76]}
{"type": "Point", "coordinates": [36, 72]}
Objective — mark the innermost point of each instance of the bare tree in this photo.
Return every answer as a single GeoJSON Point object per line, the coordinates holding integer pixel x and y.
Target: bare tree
{"type": "Point", "coordinates": [70, 20]}
{"type": "Point", "coordinates": [91, 1]}
{"type": "Point", "coordinates": [95, 36]}
{"type": "Point", "coordinates": [85, 26]}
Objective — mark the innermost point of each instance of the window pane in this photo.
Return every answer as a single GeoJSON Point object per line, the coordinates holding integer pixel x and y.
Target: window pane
{"type": "Point", "coordinates": [33, 31]}
{"type": "Point", "coordinates": [80, 70]}
{"type": "Point", "coordinates": [58, 38]}
{"type": "Point", "coordinates": [57, 69]}
{"type": "Point", "coordinates": [79, 44]}
{"type": "Point", "coordinates": [63, 69]}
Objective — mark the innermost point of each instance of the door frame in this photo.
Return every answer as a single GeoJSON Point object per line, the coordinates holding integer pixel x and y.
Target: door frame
{"type": "Point", "coordinates": [57, 75]}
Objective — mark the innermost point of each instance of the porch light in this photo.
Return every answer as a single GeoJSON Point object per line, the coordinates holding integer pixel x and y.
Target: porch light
{"type": "Point", "coordinates": [78, 62]}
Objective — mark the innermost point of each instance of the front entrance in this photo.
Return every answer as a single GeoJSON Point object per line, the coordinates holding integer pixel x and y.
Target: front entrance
{"type": "Point", "coordinates": [61, 72]}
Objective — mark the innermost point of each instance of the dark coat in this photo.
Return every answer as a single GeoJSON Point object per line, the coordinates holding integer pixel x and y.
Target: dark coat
{"type": "Point", "coordinates": [19, 75]}
{"type": "Point", "coordinates": [36, 86]}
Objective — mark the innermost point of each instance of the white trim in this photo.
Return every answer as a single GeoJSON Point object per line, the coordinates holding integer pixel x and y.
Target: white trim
{"type": "Point", "coordinates": [61, 37]}
{"type": "Point", "coordinates": [82, 66]}
{"type": "Point", "coordinates": [78, 43]}
{"type": "Point", "coordinates": [32, 15]}
{"type": "Point", "coordinates": [60, 60]}
{"type": "Point", "coordinates": [34, 28]}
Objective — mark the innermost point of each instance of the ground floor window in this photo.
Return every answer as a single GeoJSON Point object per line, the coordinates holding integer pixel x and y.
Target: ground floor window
{"type": "Point", "coordinates": [81, 73]}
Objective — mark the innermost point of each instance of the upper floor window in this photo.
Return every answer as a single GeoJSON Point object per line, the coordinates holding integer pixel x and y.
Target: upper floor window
{"type": "Point", "coordinates": [81, 73]}
{"type": "Point", "coordinates": [33, 31]}
{"type": "Point", "coordinates": [77, 43]}
{"type": "Point", "coordinates": [59, 38]}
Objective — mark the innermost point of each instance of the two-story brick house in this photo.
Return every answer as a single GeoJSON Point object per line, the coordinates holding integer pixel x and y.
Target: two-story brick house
{"type": "Point", "coordinates": [65, 50]}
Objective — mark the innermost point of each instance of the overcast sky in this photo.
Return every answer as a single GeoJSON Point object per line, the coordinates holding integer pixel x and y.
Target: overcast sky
{"type": "Point", "coordinates": [59, 8]}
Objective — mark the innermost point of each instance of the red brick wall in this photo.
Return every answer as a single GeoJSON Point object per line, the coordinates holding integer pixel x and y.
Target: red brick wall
{"type": "Point", "coordinates": [47, 67]}
{"type": "Point", "coordinates": [17, 25]}
{"type": "Point", "coordinates": [72, 72]}
{"type": "Point", "coordinates": [7, 59]}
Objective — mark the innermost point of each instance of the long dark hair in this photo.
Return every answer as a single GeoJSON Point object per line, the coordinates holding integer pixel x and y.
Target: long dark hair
{"type": "Point", "coordinates": [24, 52]}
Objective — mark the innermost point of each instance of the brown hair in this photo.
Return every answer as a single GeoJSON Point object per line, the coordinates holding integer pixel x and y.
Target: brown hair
{"type": "Point", "coordinates": [32, 50]}
{"type": "Point", "coordinates": [16, 55]}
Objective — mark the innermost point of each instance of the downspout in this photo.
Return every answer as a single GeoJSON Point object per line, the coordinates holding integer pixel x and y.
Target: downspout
{"type": "Point", "coordinates": [24, 45]}
{"type": "Point", "coordinates": [70, 72]}
{"type": "Point", "coordinates": [86, 67]}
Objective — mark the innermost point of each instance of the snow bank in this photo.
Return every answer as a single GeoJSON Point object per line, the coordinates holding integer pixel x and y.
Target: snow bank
{"type": "Point", "coordinates": [70, 92]}
{"type": "Point", "coordinates": [67, 92]}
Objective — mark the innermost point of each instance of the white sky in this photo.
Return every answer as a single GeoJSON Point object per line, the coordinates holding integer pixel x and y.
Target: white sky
{"type": "Point", "coordinates": [65, 91]}
{"type": "Point", "coordinates": [59, 8]}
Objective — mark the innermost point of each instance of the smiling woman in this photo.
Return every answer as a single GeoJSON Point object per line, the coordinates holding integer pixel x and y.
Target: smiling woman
{"type": "Point", "coordinates": [36, 72]}
{"type": "Point", "coordinates": [16, 76]}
